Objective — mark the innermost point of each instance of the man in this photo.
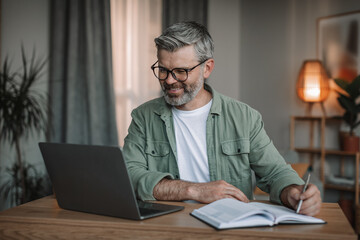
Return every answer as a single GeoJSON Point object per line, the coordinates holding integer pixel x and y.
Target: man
{"type": "Point", "coordinates": [196, 144]}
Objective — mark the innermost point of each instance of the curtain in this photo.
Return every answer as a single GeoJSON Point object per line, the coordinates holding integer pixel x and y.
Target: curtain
{"type": "Point", "coordinates": [81, 96]}
{"type": "Point", "coordinates": [184, 10]}
{"type": "Point", "coordinates": [134, 25]}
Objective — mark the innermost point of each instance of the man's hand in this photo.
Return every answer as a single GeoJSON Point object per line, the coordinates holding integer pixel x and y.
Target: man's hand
{"type": "Point", "coordinates": [202, 192]}
{"type": "Point", "coordinates": [291, 195]}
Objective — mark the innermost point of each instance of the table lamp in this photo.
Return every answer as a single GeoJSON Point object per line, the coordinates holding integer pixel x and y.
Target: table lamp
{"type": "Point", "coordinates": [313, 84]}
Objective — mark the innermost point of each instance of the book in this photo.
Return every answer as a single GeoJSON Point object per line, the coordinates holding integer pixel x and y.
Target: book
{"type": "Point", "coordinates": [230, 213]}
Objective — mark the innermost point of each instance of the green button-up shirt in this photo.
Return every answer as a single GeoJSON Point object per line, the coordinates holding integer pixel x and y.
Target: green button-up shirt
{"type": "Point", "coordinates": [236, 143]}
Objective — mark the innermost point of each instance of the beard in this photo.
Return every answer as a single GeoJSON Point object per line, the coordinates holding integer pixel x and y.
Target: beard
{"type": "Point", "coordinates": [189, 93]}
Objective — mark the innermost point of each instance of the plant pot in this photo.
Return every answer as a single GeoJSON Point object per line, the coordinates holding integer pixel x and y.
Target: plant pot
{"type": "Point", "coordinates": [349, 143]}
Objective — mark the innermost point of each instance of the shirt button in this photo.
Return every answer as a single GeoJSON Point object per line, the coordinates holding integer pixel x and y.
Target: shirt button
{"type": "Point", "coordinates": [153, 152]}
{"type": "Point", "coordinates": [238, 150]}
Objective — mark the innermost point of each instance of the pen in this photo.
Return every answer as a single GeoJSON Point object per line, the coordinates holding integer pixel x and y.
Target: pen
{"type": "Point", "coordinates": [304, 189]}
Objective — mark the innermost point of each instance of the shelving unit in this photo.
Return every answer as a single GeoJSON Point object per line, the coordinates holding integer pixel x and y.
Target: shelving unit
{"type": "Point", "coordinates": [323, 152]}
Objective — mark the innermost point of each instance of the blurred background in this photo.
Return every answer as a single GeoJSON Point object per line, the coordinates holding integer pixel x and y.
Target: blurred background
{"type": "Point", "coordinates": [98, 55]}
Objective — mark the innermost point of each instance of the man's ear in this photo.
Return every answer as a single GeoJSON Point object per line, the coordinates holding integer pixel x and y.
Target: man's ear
{"type": "Point", "coordinates": [208, 68]}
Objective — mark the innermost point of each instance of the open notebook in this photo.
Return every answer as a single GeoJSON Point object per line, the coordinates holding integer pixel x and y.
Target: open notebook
{"type": "Point", "coordinates": [231, 213]}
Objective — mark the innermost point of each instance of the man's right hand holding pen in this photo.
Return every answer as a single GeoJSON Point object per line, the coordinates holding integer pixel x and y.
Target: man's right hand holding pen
{"type": "Point", "coordinates": [311, 198]}
{"type": "Point", "coordinates": [304, 189]}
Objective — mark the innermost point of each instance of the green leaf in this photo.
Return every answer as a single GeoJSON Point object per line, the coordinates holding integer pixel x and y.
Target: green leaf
{"type": "Point", "coordinates": [22, 107]}
{"type": "Point", "coordinates": [341, 83]}
{"type": "Point", "coordinates": [347, 103]}
{"type": "Point", "coordinates": [354, 88]}
{"type": "Point", "coordinates": [350, 118]}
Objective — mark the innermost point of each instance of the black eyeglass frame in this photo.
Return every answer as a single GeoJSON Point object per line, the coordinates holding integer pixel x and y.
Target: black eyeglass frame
{"type": "Point", "coordinates": [187, 70]}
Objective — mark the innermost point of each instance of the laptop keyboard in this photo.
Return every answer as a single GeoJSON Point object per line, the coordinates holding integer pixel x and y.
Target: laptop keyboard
{"type": "Point", "coordinates": [148, 208]}
{"type": "Point", "coordinates": [148, 211]}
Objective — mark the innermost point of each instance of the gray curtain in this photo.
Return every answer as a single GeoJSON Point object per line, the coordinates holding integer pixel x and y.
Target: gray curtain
{"type": "Point", "coordinates": [81, 93]}
{"type": "Point", "coordinates": [184, 10]}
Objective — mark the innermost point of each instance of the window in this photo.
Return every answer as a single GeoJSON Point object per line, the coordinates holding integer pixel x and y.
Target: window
{"type": "Point", "coordinates": [134, 25]}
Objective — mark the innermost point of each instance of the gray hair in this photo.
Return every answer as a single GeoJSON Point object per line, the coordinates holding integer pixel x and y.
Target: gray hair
{"type": "Point", "coordinates": [187, 33]}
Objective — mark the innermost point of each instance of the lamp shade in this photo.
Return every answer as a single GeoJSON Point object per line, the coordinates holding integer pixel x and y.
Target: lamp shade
{"type": "Point", "coordinates": [313, 83]}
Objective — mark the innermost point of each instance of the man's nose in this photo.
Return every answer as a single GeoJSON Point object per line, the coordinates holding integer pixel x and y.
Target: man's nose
{"type": "Point", "coordinates": [170, 79]}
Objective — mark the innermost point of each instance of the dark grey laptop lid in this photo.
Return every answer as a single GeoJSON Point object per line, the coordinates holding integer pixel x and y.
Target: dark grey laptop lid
{"type": "Point", "coordinates": [91, 179]}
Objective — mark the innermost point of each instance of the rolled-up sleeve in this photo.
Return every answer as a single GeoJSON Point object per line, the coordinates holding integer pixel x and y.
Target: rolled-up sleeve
{"type": "Point", "coordinates": [142, 179]}
{"type": "Point", "coordinates": [271, 171]}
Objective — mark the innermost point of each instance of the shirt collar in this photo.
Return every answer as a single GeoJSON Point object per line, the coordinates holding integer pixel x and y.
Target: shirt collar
{"type": "Point", "coordinates": [216, 105]}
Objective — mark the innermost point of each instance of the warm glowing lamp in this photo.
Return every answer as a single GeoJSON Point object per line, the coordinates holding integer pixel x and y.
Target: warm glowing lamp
{"type": "Point", "coordinates": [313, 84]}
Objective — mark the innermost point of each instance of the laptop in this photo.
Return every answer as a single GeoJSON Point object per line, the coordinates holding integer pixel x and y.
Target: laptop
{"type": "Point", "coordinates": [94, 179]}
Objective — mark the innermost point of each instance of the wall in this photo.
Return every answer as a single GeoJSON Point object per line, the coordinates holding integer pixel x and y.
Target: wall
{"type": "Point", "coordinates": [23, 22]}
{"type": "Point", "coordinates": [224, 27]}
{"type": "Point", "coordinates": [276, 37]}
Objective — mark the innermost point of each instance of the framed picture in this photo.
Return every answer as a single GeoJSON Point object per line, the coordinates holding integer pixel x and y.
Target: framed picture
{"type": "Point", "coordinates": [338, 42]}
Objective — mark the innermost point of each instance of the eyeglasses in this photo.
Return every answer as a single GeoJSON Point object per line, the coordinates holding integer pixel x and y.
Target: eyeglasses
{"type": "Point", "coordinates": [179, 74]}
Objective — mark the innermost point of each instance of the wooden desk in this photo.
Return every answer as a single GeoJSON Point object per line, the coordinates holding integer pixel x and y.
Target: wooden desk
{"type": "Point", "coordinates": [43, 219]}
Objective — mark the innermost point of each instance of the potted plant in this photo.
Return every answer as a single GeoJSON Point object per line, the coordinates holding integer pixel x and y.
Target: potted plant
{"type": "Point", "coordinates": [349, 100]}
{"type": "Point", "coordinates": [23, 111]}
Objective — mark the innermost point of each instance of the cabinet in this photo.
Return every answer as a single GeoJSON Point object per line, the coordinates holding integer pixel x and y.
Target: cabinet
{"type": "Point", "coordinates": [343, 156]}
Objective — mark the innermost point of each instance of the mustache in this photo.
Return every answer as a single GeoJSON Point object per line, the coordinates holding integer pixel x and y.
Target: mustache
{"type": "Point", "coordinates": [174, 85]}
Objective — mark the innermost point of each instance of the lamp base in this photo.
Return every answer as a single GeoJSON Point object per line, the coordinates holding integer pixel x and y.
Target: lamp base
{"type": "Point", "coordinates": [310, 106]}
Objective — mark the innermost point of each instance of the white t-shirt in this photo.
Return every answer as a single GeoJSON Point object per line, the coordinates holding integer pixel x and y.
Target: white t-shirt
{"type": "Point", "coordinates": [190, 132]}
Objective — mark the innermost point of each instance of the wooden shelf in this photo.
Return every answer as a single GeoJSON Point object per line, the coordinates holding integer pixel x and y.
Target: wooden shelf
{"type": "Point", "coordinates": [322, 121]}
{"type": "Point", "coordinates": [317, 118]}
{"type": "Point", "coordinates": [327, 151]}
{"type": "Point", "coordinates": [339, 187]}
